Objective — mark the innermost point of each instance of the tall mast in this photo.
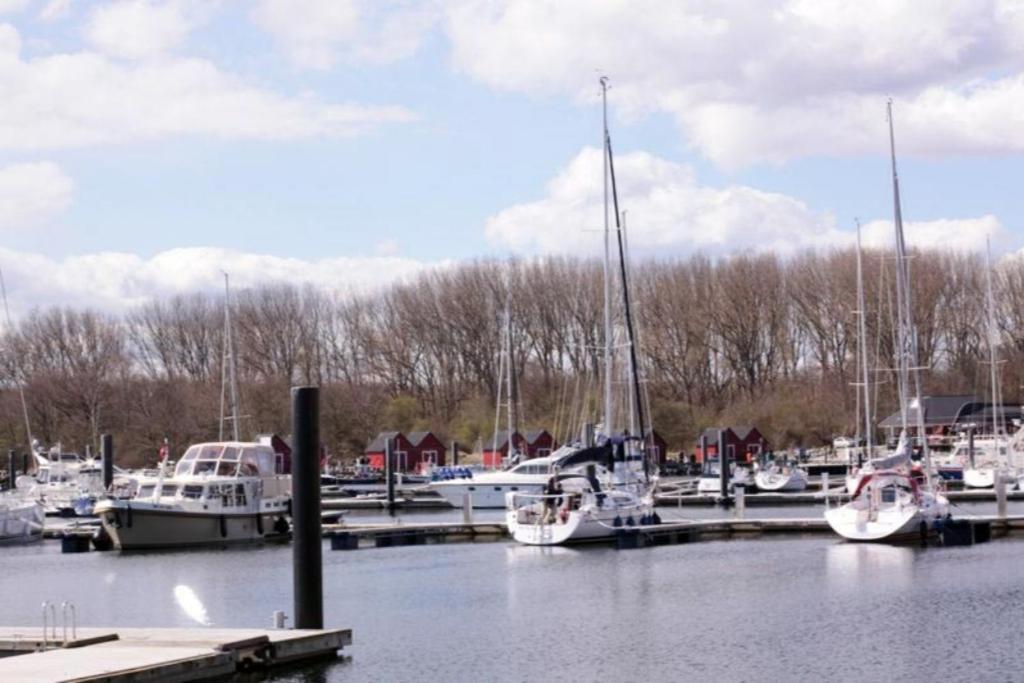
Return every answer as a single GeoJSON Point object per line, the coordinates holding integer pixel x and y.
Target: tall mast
{"type": "Point", "coordinates": [993, 340]}
{"type": "Point", "coordinates": [228, 370]}
{"type": "Point", "coordinates": [907, 334]}
{"type": "Point", "coordinates": [631, 335]}
{"type": "Point", "coordinates": [863, 334]}
{"type": "Point", "coordinates": [21, 385]}
{"type": "Point", "coordinates": [607, 269]}
{"type": "Point", "coordinates": [513, 413]}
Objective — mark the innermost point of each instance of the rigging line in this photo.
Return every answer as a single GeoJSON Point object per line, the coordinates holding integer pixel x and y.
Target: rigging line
{"type": "Point", "coordinates": [21, 382]}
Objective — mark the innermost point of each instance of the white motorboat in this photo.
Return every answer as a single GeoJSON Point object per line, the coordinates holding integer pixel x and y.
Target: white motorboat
{"type": "Point", "coordinates": [21, 519]}
{"type": "Point", "coordinates": [777, 477]}
{"type": "Point", "coordinates": [888, 505]}
{"type": "Point", "coordinates": [221, 492]}
{"type": "Point", "coordinates": [488, 489]}
{"type": "Point", "coordinates": [65, 483]}
{"type": "Point", "coordinates": [583, 510]}
{"type": "Point", "coordinates": [989, 460]}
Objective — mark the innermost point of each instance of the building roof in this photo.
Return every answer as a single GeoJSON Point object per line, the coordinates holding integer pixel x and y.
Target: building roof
{"type": "Point", "coordinates": [532, 436]}
{"type": "Point", "coordinates": [416, 438]}
{"type": "Point", "coordinates": [938, 411]}
{"type": "Point", "coordinates": [712, 434]}
{"type": "Point", "coordinates": [501, 437]}
{"type": "Point", "coordinates": [377, 445]}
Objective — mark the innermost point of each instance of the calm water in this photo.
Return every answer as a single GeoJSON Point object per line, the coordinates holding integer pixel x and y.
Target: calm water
{"type": "Point", "coordinates": [800, 608]}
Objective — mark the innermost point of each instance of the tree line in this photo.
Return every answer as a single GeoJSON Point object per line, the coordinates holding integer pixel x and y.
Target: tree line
{"type": "Point", "coordinates": [749, 339]}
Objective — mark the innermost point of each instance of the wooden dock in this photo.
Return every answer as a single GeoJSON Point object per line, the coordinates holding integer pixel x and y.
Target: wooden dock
{"type": "Point", "coordinates": [123, 655]}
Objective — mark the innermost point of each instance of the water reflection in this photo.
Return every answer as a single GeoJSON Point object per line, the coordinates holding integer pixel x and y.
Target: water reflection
{"type": "Point", "coordinates": [191, 605]}
{"type": "Point", "coordinates": [849, 565]}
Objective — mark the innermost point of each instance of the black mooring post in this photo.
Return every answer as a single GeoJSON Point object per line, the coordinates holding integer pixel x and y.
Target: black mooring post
{"type": "Point", "coordinates": [389, 472]}
{"type": "Point", "coordinates": [970, 444]}
{"type": "Point", "coordinates": [10, 469]}
{"type": "Point", "coordinates": [455, 453]}
{"type": "Point", "coordinates": [723, 467]}
{"type": "Point", "coordinates": [307, 559]}
{"type": "Point", "coordinates": [107, 452]}
{"type": "Point", "coordinates": [705, 462]}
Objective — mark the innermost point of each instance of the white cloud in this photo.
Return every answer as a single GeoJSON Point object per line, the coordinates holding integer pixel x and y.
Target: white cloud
{"type": "Point", "coordinates": [788, 78]}
{"type": "Point", "coordinates": [31, 193]}
{"type": "Point", "coordinates": [136, 29]}
{"type": "Point", "coordinates": [669, 212]}
{"type": "Point", "coordinates": [317, 34]}
{"type": "Point", "coordinates": [71, 100]}
{"type": "Point", "coordinates": [118, 281]}
{"type": "Point", "coordinates": [963, 234]}
{"type": "Point", "coordinates": [12, 6]}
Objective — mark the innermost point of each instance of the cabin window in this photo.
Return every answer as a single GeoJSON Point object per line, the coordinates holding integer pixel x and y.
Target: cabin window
{"type": "Point", "coordinates": [169, 491]}
{"type": "Point", "coordinates": [205, 466]}
{"type": "Point", "coordinates": [146, 491]}
{"type": "Point", "coordinates": [239, 494]}
{"type": "Point", "coordinates": [227, 469]}
{"type": "Point", "coordinates": [209, 452]}
{"type": "Point", "coordinates": [182, 469]}
{"type": "Point", "coordinates": [191, 453]}
{"type": "Point", "coordinates": [192, 492]}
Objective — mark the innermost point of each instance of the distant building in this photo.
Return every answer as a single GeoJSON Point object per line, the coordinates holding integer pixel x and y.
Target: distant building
{"type": "Point", "coordinates": [401, 447]}
{"type": "Point", "coordinates": [540, 443]}
{"type": "Point", "coordinates": [742, 444]}
{"type": "Point", "coordinates": [427, 450]}
{"type": "Point", "coordinates": [496, 447]}
{"type": "Point", "coordinates": [281, 449]}
{"type": "Point", "coordinates": [945, 417]}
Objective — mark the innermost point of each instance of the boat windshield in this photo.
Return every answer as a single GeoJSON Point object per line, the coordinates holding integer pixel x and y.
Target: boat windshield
{"type": "Point", "coordinates": [530, 468]}
{"type": "Point", "coordinates": [227, 461]}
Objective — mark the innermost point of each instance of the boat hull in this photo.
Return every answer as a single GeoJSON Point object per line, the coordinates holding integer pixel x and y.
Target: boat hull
{"type": "Point", "coordinates": [484, 495]}
{"type": "Point", "coordinates": [777, 481]}
{"type": "Point", "coordinates": [21, 523]}
{"type": "Point", "coordinates": [141, 527]}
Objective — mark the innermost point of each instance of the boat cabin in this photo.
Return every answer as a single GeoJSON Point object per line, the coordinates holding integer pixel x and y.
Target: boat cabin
{"type": "Point", "coordinates": [229, 459]}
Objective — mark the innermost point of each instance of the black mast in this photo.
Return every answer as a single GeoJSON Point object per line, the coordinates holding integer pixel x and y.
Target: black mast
{"type": "Point", "coordinates": [629, 314]}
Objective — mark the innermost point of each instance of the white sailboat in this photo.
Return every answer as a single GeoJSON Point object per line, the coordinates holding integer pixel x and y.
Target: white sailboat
{"type": "Point", "coordinates": [981, 470]}
{"type": "Point", "coordinates": [592, 505]}
{"type": "Point", "coordinates": [781, 477]}
{"type": "Point", "coordinates": [890, 503]}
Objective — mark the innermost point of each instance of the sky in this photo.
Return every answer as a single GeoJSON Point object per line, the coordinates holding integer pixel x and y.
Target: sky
{"type": "Point", "coordinates": [148, 146]}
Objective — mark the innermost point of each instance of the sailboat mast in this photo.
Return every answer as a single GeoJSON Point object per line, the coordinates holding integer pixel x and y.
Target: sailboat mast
{"type": "Point", "coordinates": [907, 331]}
{"type": "Point", "coordinates": [993, 338]}
{"type": "Point", "coordinates": [607, 269]}
{"type": "Point", "coordinates": [863, 334]}
{"type": "Point", "coordinates": [513, 415]}
{"type": "Point", "coordinates": [21, 385]}
{"type": "Point", "coordinates": [232, 361]}
{"type": "Point", "coordinates": [631, 341]}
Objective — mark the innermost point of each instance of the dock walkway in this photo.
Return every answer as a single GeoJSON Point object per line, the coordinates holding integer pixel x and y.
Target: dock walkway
{"type": "Point", "coordinates": [157, 654]}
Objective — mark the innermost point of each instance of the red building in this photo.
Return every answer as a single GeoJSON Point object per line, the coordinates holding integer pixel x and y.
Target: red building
{"type": "Point", "coordinates": [411, 453]}
{"type": "Point", "coordinates": [427, 450]}
{"type": "Point", "coordinates": [496, 448]}
{"type": "Point", "coordinates": [400, 450]}
{"type": "Point", "coordinates": [540, 444]}
{"type": "Point", "coordinates": [742, 444]}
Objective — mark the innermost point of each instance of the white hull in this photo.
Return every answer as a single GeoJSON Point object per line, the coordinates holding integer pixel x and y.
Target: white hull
{"type": "Point", "coordinates": [576, 526]}
{"type": "Point", "coordinates": [21, 521]}
{"type": "Point", "coordinates": [482, 495]}
{"type": "Point", "coordinates": [985, 478]}
{"type": "Point", "coordinates": [794, 480]}
{"type": "Point", "coordinates": [138, 526]}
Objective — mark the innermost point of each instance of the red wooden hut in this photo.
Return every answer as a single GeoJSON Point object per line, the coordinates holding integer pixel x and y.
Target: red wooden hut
{"type": "Point", "coordinates": [540, 443]}
{"type": "Point", "coordinates": [495, 457]}
{"type": "Point", "coordinates": [742, 444]}
{"type": "Point", "coordinates": [401, 448]}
